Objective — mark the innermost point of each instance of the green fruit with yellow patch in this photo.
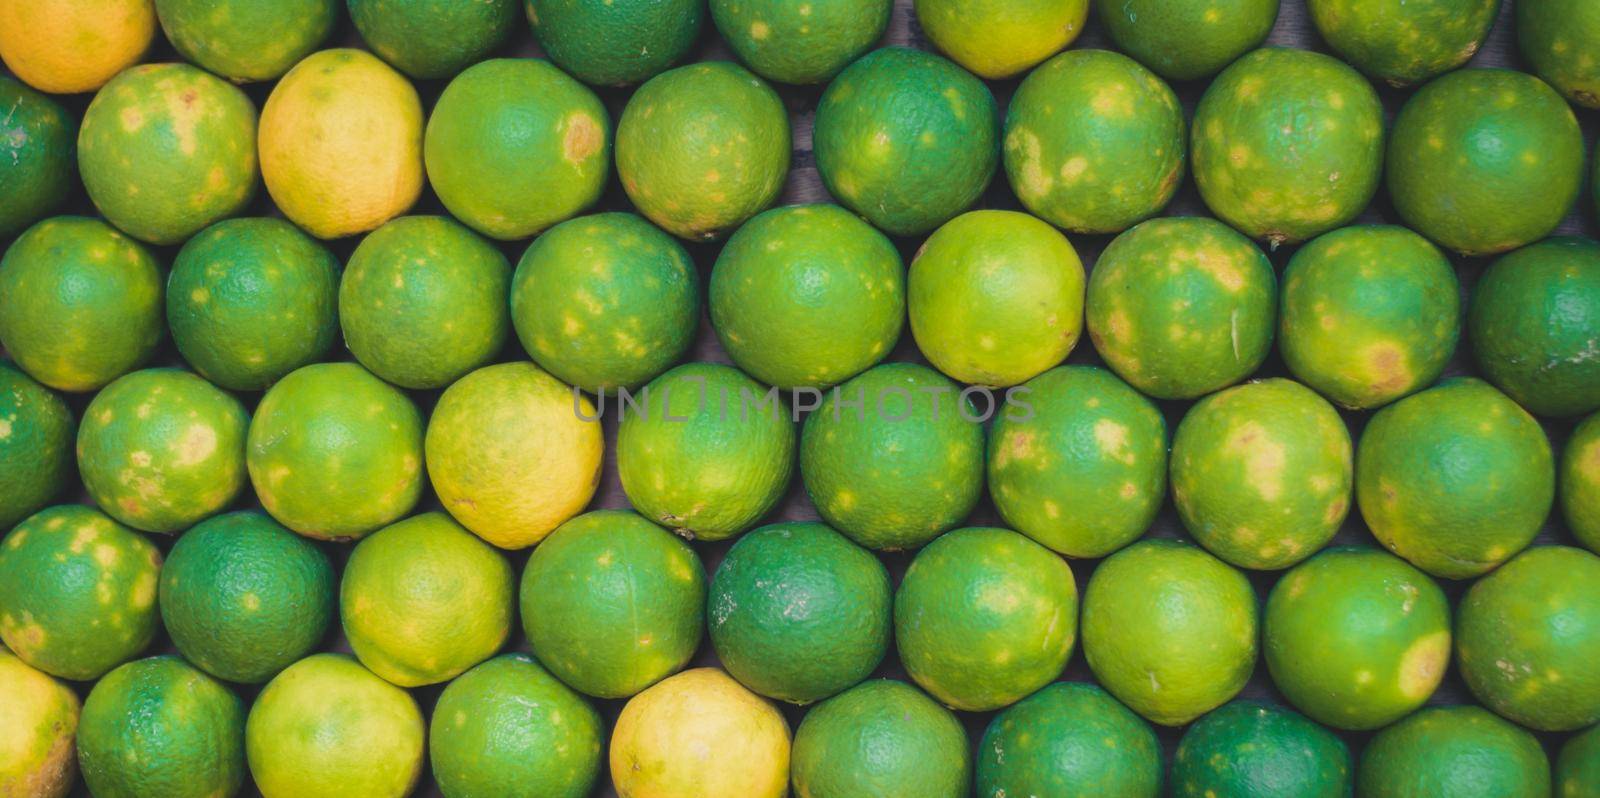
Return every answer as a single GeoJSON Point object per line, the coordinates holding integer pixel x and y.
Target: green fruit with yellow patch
{"type": "Point", "coordinates": [247, 40]}
{"type": "Point", "coordinates": [433, 38]}
{"type": "Point", "coordinates": [1559, 39]}
{"type": "Point", "coordinates": [166, 149]}
{"type": "Point", "coordinates": [1357, 638]}
{"type": "Point", "coordinates": [1451, 751]}
{"type": "Point", "coordinates": [1455, 479]}
{"type": "Point", "coordinates": [616, 43]}
{"type": "Point", "coordinates": [38, 156]}
{"type": "Point", "coordinates": [1082, 466]}
{"type": "Point", "coordinates": [1580, 482]}
{"type": "Point", "coordinates": [77, 592]}
{"type": "Point", "coordinates": [1094, 142]}
{"type": "Point", "coordinates": [1187, 39]}
{"type": "Point", "coordinates": [805, 43]}
{"type": "Point", "coordinates": [885, 739]}
{"type": "Point", "coordinates": [1252, 747]}
{"type": "Point", "coordinates": [40, 718]}
{"type": "Point", "coordinates": [998, 39]}
{"type": "Point", "coordinates": [36, 456]}
{"type": "Point", "coordinates": [1369, 314]}
{"type": "Point", "coordinates": [1181, 307]}
{"type": "Point", "coordinates": [906, 139]}
{"type": "Point", "coordinates": [1404, 43]}
{"type": "Point", "coordinates": [1069, 739]}
{"type": "Point", "coordinates": [1578, 767]}
{"type": "Point", "coordinates": [1532, 323]}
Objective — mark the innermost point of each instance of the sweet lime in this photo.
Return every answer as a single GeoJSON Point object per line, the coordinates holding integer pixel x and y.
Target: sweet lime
{"type": "Point", "coordinates": [36, 440]}
{"type": "Point", "coordinates": [38, 156]}
{"type": "Point", "coordinates": [40, 715]}
{"type": "Point", "coordinates": [1187, 39]}
{"type": "Point", "coordinates": [1250, 747]}
{"type": "Point", "coordinates": [616, 43]}
{"type": "Point", "coordinates": [805, 43]}
{"type": "Point", "coordinates": [70, 46]}
{"type": "Point", "coordinates": [885, 739]}
{"type": "Point", "coordinates": [1069, 738]}
{"type": "Point", "coordinates": [998, 39]}
{"type": "Point", "coordinates": [1453, 750]}
{"type": "Point", "coordinates": [699, 733]}
{"type": "Point", "coordinates": [1404, 43]}
{"type": "Point", "coordinates": [433, 38]}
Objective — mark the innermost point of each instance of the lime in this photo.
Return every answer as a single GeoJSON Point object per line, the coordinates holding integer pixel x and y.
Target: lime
{"type": "Point", "coordinates": [1580, 483]}
{"type": "Point", "coordinates": [68, 46]}
{"type": "Point", "coordinates": [1453, 751]}
{"type": "Point", "coordinates": [1187, 39]}
{"type": "Point", "coordinates": [1404, 43]}
{"type": "Point", "coordinates": [699, 733]}
{"type": "Point", "coordinates": [616, 43]}
{"type": "Point", "coordinates": [998, 39]}
{"type": "Point", "coordinates": [38, 156]}
{"type": "Point", "coordinates": [40, 716]}
{"type": "Point", "coordinates": [433, 38]}
{"type": "Point", "coordinates": [1250, 748]}
{"type": "Point", "coordinates": [1578, 767]}
{"type": "Point", "coordinates": [247, 40]}
{"type": "Point", "coordinates": [1532, 323]}
{"type": "Point", "coordinates": [1558, 37]}
{"type": "Point", "coordinates": [1069, 739]}
{"type": "Point", "coordinates": [804, 43]}
{"type": "Point", "coordinates": [885, 739]}
{"type": "Point", "coordinates": [36, 457]}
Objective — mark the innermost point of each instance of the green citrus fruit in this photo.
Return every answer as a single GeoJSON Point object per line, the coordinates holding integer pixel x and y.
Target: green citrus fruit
{"type": "Point", "coordinates": [1404, 43]}
{"type": "Point", "coordinates": [1187, 39]}
{"type": "Point", "coordinates": [1559, 39]}
{"type": "Point", "coordinates": [250, 300]}
{"type": "Point", "coordinates": [507, 727]}
{"type": "Point", "coordinates": [882, 738]}
{"type": "Point", "coordinates": [606, 301]}
{"type": "Point", "coordinates": [327, 726]}
{"type": "Point", "coordinates": [800, 43]}
{"type": "Point", "coordinates": [699, 733]}
{"type": "Point", "coordinates": [514, 145]}
{"type": "Point", "coordinates": [1580, 483]}
{"type": "Point", "coordinates": [423, 301]}
{"type": "Point", "coordinates": [434, 38]}
{"type": "Point", "coordinates": [996, 297]}
{"type": "Point", "coordinates": [612, 603]}
{"type": "Point", "coordinates": [335, 452]}
{"type": "Point", "coordinates": [1181, 307]}
{"type": "Point", "coordinates": [40, 718]}
{"type": "Point", "coordinates": [1484, 160]}
{"type": "Point", "coordinates": [998, 39]}
{"type": "Point", "coordinates": [1169, 629]}
{"type": "Point", "coordinates": [906, 139]}
{"type": "Point", "coordinates": [80, 303]}
{"type": "Point", "coordinates": [893, 457]}
{"type": "Point", "coordinates": [1369, 314]}
{"type": "Point", "coordinates": [1453, 751]}
{"type": "Point", "coordinates": [985, 616]}
{"type": "Point", "coordinates": [38, 156]}
{"type": "Point", "coordinates": [807, 296]}
{"type": "Point", "coordinates": [158, 726]}
{"type": "Point", "coordinates": [1455, 479]}
{"type": "Point", "coordinates": [244, 598]}
{"type": "Point", "coordinates": [616, 43]}
{"type": "Point", "coordinates": [1578, 767]}
{"type": "Point", "coordinates": [1253, 748]}
{"type": "Point", "coordinates": [798, 613]}
{"type": "Point", "coordinates": [1069, 739]}
{"type": "Point", "coordinates": [247, 40]}
{"type": "Point", "coordinates": [36, 440]}
{"type": "Point", "coordinates": [161, 449]}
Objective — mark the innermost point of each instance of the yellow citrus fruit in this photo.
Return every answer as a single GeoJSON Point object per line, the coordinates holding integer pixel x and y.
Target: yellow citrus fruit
{"type": "Point", "coordinates": [701, 734]}
{"type": "Point", "coordinates": [38, 719]}
{"type": "Point", "coordinates": [71, 46]}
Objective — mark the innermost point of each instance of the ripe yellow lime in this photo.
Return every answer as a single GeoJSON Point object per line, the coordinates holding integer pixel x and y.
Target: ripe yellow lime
{"type": "Point", "coordinates": [700, 734]}
{"type": "Point", "coordinates": [71, 46]}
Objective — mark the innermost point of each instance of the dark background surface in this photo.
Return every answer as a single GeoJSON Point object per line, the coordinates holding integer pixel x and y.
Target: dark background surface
{"type": "Point", "coordinates": [1293, 29]}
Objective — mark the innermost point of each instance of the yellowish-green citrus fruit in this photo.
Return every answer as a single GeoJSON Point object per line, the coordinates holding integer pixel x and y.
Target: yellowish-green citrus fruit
{"type": "Point", "coordinates": [1453, 751]}
{"type": "Point", "coordinates": [341, 143]}
{"type": "Point", "coordinates": [434, 38]}
{"type": "Point", "coordinates": [1578, 767]}
{"type": "Point", "coordinates": [996, 297]}
{"type": "Point", "coordinates": [885, 739]}
{"type": "Point", "coordinates": [1069, 739]}
{"type": "Point", "coordinates": [1408, 42]}
{"type": "Point", "coordinates": [615, 42]}
{"type": "Point", "coordinates": [1187, 39]}
{"type": "Point", "coordinates": [800, 43]}
{"type": "Point", "coordinates": [998, 39]}
{"type": "Point", "coordinates": [1559, 39]}
{"type": "Point", "coordinates": [80, 303]}
{"type": "Point", "coordinates": [702, 148]}
{"type": "Point", "coordinates": [514, 145]}
{"type": "Point", "coordinates": [334, 452]}
{"type": "Point", "coordinates": [247, 40]}
{"type": "Point", "coordinates": [327, 727]}
{"type": "Point", "coordinates": [423, 301]}
{"type": "Point", "coordinates": [38, 156]}
{"type": "Point", "coordinates": [1253, 747]}
{"type": "Point", "coordinates": [77, 592]}
{"type": "Point", "coordinates": [1455, 479]}
{"type": "Point", "coordinates": [1580, 482]}
{"type": "Point", "coordinates": [71, 46]}
{"type": "Point", "coordinates": [1169, 629]}
{"type": "Point", "coordinates": [38, 724]}
{"type": "Point", "coordinates": [699, 733]}
{"type": "Point", "coordinates": [36, 440]}
{"type": "Point", "coordinates": [513, 452]}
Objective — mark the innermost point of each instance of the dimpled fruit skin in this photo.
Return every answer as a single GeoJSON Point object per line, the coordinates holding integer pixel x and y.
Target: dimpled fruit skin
{"type": "Point", "coordinates": [1261, 473]}
{"type": "Point", "coordinates": [1580, 482]}
{"type": "Point", "coordinates": [80, 303]}
{"type": "Point", "coordinates": [985, 616]}
{"type": "Point", "coordinates": [1453, 750]}
{"type": "Point", "coordinates": [434, 38]}
{"type": "Point", "coordinates": [1455, 479]}
{"type": "Point", "coordinates": [1169, 630]}
{"type": "Point", "coordinates": [893, 457]}
{"type": "Point", "coordinates": [158, 726]}
{"type": "Point", "coordinates": [1408, 42]}
{"type": "Point", "coordinates": [809, 44]}
{"type": "Point", "coordinates": [423, 301]}
{"type": "Point", "coordinates": [161, 449]}
{"type": "Point", "coordinates": [40, 716]}
{"type": "Point", "coordinates": [1369, 314]}
{"type": "Point", "coordinates": [1558, 38]}
{"type": "Point", "coordinates": [247, 40]}
{"type": "Point", "coordinates": [885, 739]}
{"type": "Point", "coordinates": [73, 46]}
{"type": "Point", "coordinates": [1094, 142]}
{"type": "Point", "coordinates": [508, 727]}
{"type": "Point", "coordinates": [630, 290]}
{"type": "Point", "coordinates": [514, 145]}
{"type": "Point", "coordinates": [1288, 144]}
{"type": "Point", "coordinates": [54, 568]}
{"type": "Point", "coordinates": [250, 300]}
{"type": "Point", "coordinates": [996, 297]}
{"type": "Point", "coordinates": [335, 452]}
{"type": "Point", "coordinates": [511, 455]}
{"type": "Point", "coordinates": [1069, 739]}
{"type": "Point", "coordinates": [998, 39]}
{"type": "Point", "coordinates": [612, 603]}
{"type": "Point", "coordinates": [38, 156]}
{"type": "Point", "coordinates": [1356, 637]}
{"type": "Point", "coordinates": [704, 455]}
{"type": "Point", "coordinates": [616, 43]}
{"type": "Point", "coordinates": [1255, 748]}
{"type": "Point", "coordinates": [327, 726]}
{"type": "Point", "coordinates": [1532, 325]}
{"type": "Point", "coordinates": [807, 295]}
{"type": "Point", "coordinates": [699, 733]}
{"type": "Point", "coordinates": [1528, 637]}
{"type": "Point", "coordinates": [1484, 160]}
{"type": "Point", "coordinates": [906, 139]}
{"type": "Point", "coordinates": [1193, 277]}
{"type": "Point", "coordinates": [702, 148]}
{"type": "Point", "coordinates": [1187, 39]}
{"type": "Point", "coordinates": [243, 598]}
{"type": "Point", "coordinates": [1083, 468]}
{"type": "Point", "coordinates": [797, 612]}
{"type": "Point", "coordinates": [341, 143]}
{"type": "Point", "coordinates": [423, 600]}
{"type": "Point", "coordinates": [36, 454]}
{"type": "Point", "coordinates": [1578, 767]}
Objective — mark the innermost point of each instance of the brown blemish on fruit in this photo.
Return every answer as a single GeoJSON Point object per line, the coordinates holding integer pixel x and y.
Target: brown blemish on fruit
{"type": "Point", "coordinates": [583, 138]}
